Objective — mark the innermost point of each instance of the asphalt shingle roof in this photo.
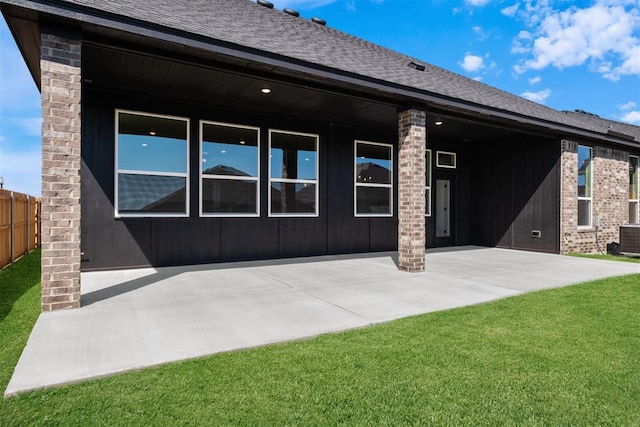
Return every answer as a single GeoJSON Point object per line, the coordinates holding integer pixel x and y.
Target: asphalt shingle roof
{"type": "Point", "coordinates": [246, 24]}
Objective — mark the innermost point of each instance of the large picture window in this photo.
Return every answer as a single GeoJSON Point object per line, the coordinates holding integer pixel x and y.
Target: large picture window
{"type": "Point", "coordinates": [293, 174]}
{"type": "Point", "coordinates": [634, 163]}
{"type": "Point", "coordinates": [585, 180]}
{"type": "Point", "coordinates": [373, 176]}
{"type": "Point", "coordinates": [229, 170]}
{"type": "Point", "coordinates": [152, 167]}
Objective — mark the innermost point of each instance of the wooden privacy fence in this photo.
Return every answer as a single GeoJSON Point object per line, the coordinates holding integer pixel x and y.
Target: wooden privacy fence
{"type": "Point", "coordinates": [19, 225]}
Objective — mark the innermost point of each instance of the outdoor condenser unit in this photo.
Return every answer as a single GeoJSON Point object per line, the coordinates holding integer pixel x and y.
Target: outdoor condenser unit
{"type": "Point", "coordinates": [630, 239]}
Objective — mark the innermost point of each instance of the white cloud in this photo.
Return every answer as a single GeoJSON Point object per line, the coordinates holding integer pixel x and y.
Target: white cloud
{"type": "Point", "coordinates": [535, 80]}
{"type": "Point", "coordinates": [632, 117]}
{"type": "Point", "coordinates": [477, 3]}
{"type": "Point", "coordinates": [629, 113]}
{"type": "Point", "coordinates": [605, 36]}
{"type": "Point", "coordinates": [623, 107]}
{"type": "Point", "coordinates": [511, 10]}
{"type": "Point", "coordinates": [539, 96]}
{"type": "Point", "coordinates": [472, 63]}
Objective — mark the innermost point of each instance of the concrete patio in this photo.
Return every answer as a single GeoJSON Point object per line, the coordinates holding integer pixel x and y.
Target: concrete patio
{"type": "Point", "coordinates": [131, 319]}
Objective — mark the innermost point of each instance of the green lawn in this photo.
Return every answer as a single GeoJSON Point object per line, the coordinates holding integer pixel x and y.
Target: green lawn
{"type": "Point", "coordinates": [561, 357]}
{"type": "Point", "coordinates": [608, 257]}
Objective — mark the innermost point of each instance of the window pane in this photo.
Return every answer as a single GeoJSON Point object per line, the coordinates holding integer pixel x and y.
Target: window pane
{"type": "Point", "coordinates": [584, 212]}
{"type": "Point", "coordinates": [633, 212]}
{"type": "Point", "coordinates": [447, 160]}
{"type": "Point", "coordinates": [584, 171]}
{"type": "Point", "coordinates": [293, 156]}
{"type": "Point", "coordinates": [152, 144]}
{"type": "Point", "coordinates": [633, 178]}
{"type": "Point", "coordinates": [228, 150]}
{"type": "Point", "coordinates": [373, 163]}
{"type": "Point", "coordinates": [427, 168]}
{"type": "Point", "coordinates": [427, 202]}
{"type": "Point", "coordinates": [293, 198]}
{"type": "Point", "coordinates": [373, 200]}
{"type": "Point", "coordinates": [149, 193]}
{"type": "Point", "coordinates": [229, 196]}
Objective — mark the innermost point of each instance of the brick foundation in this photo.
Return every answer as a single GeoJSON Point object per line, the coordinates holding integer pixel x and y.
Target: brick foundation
{"type": "Point", "coordinates": [610, 199]}
{"type": "Point", "coordinates": [411, 181]}
{"type": "Point", "coordinates": [61, 89]}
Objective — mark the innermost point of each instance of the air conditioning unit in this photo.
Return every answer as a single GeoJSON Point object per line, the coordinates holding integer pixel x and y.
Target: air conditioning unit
{"type": "Point", "coordinates": [630, 239]}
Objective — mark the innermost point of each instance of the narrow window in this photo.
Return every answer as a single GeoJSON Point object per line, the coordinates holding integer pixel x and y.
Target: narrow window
{"type": "Point", "coordinates": [293, 174]}
{"type": "Point", "coordinates": [444, 159]}
{"type": "Point", "coordinates": [585, 180]}
{"type": "Point", "coordinates": [229, 165]}
{"type": "Point", "coordinates": [373, 178]}
{"type": "Point", "coordinates": [634, 163]}
{"type": "Point", "coordinates": [427, 183]}
{"type": "Point", "coordinates": [152, 153]}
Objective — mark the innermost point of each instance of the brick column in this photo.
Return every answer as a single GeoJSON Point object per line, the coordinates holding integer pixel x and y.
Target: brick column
{"type": "Point", "coordinates": [411, 203]}
{"type": "Point", "coordinates": [60, 89]}
{"type": "Point", "coordinates": [569, 197]}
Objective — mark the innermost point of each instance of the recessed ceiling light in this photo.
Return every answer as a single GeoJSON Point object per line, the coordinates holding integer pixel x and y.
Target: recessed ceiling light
{"type": "Point", "coordinates": [144, 144]}
{"type": "Point", "coordinates": [438, 123]}
{"type": "Point", "coordinates": [265, 90]}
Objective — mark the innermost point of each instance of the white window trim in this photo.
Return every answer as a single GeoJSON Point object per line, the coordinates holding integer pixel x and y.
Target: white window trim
{"type": "Point", "coordinates": [316, 181]}
{"type": "Point", "coordinates": [203, 176]}
{"type": "Point", "coordinates": [637, 199]}
{"type": "Point", "coordinates": [357, 184]}
{"type": "Point", "coordinates": [455, 160]}
{"type": "Point", "coordinates": [590, 198]}
{"type": "Point", "coordinates": [428, 187]}
{"type": "Point", "coordinates": [117, 171]}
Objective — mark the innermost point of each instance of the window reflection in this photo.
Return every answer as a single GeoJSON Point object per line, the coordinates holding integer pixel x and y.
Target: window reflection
{"type": "Point", "coordinates": [230, 169]}
{"type": "Point", "coordinates": [373, 193]}
{"type": "Point", "coordinates": [152, 164]}
{"type": "Point", "coordinates": [293, 163]}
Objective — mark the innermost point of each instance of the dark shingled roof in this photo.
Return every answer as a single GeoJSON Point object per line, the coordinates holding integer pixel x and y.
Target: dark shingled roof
{"type": "Point", "coordinates": [246, 24]}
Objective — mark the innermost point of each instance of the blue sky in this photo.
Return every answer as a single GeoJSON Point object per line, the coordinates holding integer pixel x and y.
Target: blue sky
{"type": "Point", "coordinates": [565, 54]}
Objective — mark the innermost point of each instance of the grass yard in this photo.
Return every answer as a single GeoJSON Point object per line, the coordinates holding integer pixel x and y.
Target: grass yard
{"type": "Point", "coordinates": [566, 356]}
{"type": "Point", "coordinates": [609, 257]}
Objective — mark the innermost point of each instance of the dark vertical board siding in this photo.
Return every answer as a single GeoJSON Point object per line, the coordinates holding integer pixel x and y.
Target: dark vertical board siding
{"type": "Point", "coordinates": [110, 242]}
{"type": "Point", "coordinates": [245, 238]}
{"type": "Point", "coordinates": [517, 192]}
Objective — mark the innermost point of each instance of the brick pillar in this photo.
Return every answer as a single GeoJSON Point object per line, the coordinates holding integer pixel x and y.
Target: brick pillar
{"type": "Point", "coordinates": [60, 89]}
{"type": "Point", "coordinates": [569, 197]}
{"type": "Point", "coordinates": [411, 203]}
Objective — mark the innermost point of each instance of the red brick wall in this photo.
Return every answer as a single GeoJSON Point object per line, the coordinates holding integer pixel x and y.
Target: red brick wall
{"type": "Point", "coordinates": [610, 199]}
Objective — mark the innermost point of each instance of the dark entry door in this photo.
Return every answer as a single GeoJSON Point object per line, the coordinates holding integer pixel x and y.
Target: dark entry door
{"type": "Point", "coordinates": [444, 210]}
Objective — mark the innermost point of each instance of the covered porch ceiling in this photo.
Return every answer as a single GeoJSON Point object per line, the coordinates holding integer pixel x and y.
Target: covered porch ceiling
{"type": "Point", "coordinates": [213, 84]}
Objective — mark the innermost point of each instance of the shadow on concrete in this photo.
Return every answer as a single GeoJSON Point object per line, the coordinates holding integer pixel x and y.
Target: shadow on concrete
{"type": "Point", "coordinates": [163, 273]}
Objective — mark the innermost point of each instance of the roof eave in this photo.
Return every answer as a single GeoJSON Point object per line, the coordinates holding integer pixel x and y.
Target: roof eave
{"type": "Point", "coordinates": [91, 17]}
